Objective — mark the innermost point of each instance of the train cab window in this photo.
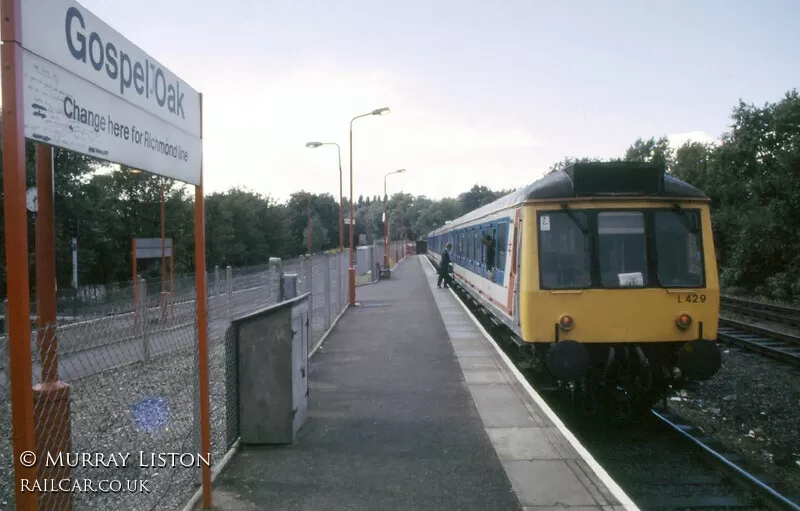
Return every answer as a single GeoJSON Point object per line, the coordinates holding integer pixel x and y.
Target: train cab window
{"type": "Point", "coordinates": [564, 250]}
{"type": "Point", "coordinates": [621, 246]}
{"type": "Point", "coordinates": [678, 249]}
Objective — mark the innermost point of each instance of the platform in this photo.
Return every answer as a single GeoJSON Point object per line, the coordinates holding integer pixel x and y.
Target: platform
{"type": "Point", "coordinates": [411, 407]}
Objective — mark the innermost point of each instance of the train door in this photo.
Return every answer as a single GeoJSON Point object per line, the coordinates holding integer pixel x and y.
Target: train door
{"type": "Point", "coordinates": [516, 255]}
{"type": "Point", "coordinates": [493, 258]}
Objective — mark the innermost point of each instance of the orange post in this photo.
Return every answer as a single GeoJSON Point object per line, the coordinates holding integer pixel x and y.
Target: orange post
{"type": "Point", "coordinates": [172, 280]}
{"type": "Point", "coordinates": [16, 233]}
{"type": "Point", "coordinates": [163, 257]}
{"type": "Point", "coordinates": [135, 282]}
{"type": "Point", "coordinates": [51, 403]}
{"type": "Point", "coordinates": [351, 272]}
{"type": "Point", "coordinates": [202, 325]}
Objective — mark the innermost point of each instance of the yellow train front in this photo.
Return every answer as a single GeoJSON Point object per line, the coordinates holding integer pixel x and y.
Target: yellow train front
{"type": "Point", "coordinates": [604, 274]}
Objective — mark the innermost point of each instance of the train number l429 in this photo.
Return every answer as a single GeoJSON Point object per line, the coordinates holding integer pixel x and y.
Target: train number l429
{"type": "Point", "coordinates": [692, 298]}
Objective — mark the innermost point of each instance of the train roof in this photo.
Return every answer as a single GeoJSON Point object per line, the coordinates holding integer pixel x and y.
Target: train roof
{"type": "Point", "coordinates": [593, 179]}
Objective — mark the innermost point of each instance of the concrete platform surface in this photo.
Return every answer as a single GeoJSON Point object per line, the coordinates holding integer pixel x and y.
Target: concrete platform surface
{"type": "Point", "coordinates": [546, 464]}
{"type": "Point", "coordinates": [412, 407]}
{"type": "Point", "coordinates": [392, 424]}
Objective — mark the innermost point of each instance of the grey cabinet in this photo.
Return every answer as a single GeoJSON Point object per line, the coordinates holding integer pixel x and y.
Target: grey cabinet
{"type": "Point", "coordinates": [272, 371]}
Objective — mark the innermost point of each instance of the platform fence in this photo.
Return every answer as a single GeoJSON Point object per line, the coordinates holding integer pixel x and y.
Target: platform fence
{"type": "Point", "coordinates": [129, 357]}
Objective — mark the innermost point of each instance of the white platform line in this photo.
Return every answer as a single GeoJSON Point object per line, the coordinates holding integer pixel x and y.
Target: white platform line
{"type": "Point", "coordinates": [599, 471]}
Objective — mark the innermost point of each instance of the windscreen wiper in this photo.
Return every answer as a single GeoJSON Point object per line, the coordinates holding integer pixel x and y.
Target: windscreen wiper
{"type": "Point", "coordinates": [685, 219]}
{"type": "Point", "coordinates": [571, 214]}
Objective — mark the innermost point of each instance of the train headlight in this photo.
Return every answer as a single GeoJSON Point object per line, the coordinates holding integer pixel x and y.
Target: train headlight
{"type": "Point", "coordinates": [684, 320]}
{"type": "Point", "coordinates": [566, 322]}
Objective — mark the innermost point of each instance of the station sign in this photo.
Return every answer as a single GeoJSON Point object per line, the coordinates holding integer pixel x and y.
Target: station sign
{"type": "Point", "coordinates": [150, 248]}
{"type": "Point", "coordinates": [88, 89]}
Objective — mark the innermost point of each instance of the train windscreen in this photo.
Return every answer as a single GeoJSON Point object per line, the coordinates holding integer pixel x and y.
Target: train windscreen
{"type": "Point", "coordinates": [622, 249]}
{"type": "Point", "coordinates": [678, 248]}
{"type": "Point", "coordinates": [581, 249]}
{"type": "Point", "coordinates": [564, 250]}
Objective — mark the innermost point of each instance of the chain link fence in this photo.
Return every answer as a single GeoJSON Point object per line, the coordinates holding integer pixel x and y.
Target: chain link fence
{"type": "Point", "coordinates": [129, 358]}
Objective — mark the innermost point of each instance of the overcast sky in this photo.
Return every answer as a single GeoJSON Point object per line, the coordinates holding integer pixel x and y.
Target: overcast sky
{"type": "Point", "coordinates": [481, 92]}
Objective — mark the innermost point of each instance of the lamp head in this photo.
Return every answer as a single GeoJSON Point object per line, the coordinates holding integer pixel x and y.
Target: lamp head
{"type": "Point", "coordinates": [313, 145]}
{"type": "Point", "coordinates": [381, 111]}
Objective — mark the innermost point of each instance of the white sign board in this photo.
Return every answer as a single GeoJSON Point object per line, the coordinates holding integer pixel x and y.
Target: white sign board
{"type": "Point", "coordinates": [149, 248]}
{"type": "Point", "coordinates": [544, 223]}
{"type": "Point", "coordinates": [88, 89]}
{"type": "Point", "coordinates": [631, 279]}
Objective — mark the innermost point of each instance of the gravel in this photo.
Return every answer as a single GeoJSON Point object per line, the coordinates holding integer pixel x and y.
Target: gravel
{"type": "Point", "coordinates": [137, 408]}
{"type": "Point", "coordinates": [148, 408]}
{"type": "Point", "coordinates": [751, 407]}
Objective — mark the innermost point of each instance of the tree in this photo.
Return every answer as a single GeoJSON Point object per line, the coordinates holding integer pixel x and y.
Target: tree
{"type": "Point", "coordinates": [476, 197]}
{"type": "Point", "coordinates": [650, 151]}
{"type": "Point", "coordinates": [319, 235]}
{"type": "Point", "coordinates": [568, 161]}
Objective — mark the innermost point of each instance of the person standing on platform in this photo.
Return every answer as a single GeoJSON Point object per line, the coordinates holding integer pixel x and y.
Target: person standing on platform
{"type": "Point", "coordinates": [444, 267]}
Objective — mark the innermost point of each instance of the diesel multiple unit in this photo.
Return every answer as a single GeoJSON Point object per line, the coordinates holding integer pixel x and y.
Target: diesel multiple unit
{"type": "Point", "coordinates": [603, 275]}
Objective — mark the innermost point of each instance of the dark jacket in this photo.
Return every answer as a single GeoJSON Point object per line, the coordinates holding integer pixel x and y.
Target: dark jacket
{"type": "Point", "coordinates": [444, 266]}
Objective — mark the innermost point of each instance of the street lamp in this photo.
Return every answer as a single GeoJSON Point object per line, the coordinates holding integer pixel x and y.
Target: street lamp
{"type": "Point", "coordinates": [386, 218]}
{"type": "Point", "coordinates": [314, 145]}
{"type": "Point", "coordinates": [352, 272]}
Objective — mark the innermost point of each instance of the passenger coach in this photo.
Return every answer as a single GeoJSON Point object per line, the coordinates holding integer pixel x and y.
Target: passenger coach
{"type": "Point", "coordinates": [603, 273]}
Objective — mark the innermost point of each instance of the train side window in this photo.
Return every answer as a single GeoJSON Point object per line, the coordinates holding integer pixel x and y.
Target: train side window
{"type": "Point", "coordinates": [502, 242]}
{"type": "Point", "coordinates": [621, 246]}
{"type": "Point", "coordinates": [564, 250]}
{"type": "Point", "coordinates": [470, 246]}
{"type": "Point", "coordinates": [678, 248]}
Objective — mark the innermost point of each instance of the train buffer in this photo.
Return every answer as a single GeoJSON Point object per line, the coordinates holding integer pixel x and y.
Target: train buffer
{"type": "Point", "coordinates": [411, 407]}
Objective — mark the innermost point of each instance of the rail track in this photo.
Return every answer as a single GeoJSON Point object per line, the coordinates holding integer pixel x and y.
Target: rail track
{"type": "Point", "coordinates": [778, 345]}
{"type": "Point", "coordinates": [661, 460]}
{"type": "Point", "coordinates": [778, 313]}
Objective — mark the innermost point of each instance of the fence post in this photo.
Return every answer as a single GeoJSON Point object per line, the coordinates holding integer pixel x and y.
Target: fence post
{"type": "Point", "coordinates": [309, 273]}
{"type": "Point", "coordinates": [274, 283]}
{"type": "Point", "coordinates": [145, 320]}
{"type": "Point", "coordinates": [326, 277]}
{"type": "Point", "coordinates": [229, 293]}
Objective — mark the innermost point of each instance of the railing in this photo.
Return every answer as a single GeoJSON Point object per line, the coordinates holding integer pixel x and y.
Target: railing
{"type": "Point", "coordinates": [132, 373]}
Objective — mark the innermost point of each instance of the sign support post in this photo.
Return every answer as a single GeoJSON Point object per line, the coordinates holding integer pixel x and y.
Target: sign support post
{"type": "Point", "coordinates": [135, 282]}
{"type": "Point", "coordinates": [202, 324]}
{"type": "Point", "coordinates": [65, 84]}
{"type": "Point", "coordinates": [16, 231]}
{"type": "Point", "coordinates": [163, 257]}
{"type": "Point", "coordinates": [51, 401]}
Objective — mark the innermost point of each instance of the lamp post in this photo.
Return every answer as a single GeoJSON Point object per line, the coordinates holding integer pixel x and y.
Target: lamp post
{"type": "Point", "coordinates": [352, 271]}
{"type": "Point", "coordinates": [386, 218]}
{"type": "Point", "coordinates": [309, 224]}
{"type": "Point", "coordinates": [314, 145]}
